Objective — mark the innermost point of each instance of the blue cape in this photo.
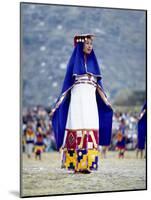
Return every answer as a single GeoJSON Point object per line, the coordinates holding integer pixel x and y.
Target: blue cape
{"type": "Point", "coordinates": [76, 66]}
{"type": "Point", "coordinates": [142, 129]}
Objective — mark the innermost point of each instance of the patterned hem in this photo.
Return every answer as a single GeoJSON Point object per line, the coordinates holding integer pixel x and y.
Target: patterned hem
{"type": "Point", "coordinates": [80, 160]}
{"type": "Point", "coordinates": [80, 151]}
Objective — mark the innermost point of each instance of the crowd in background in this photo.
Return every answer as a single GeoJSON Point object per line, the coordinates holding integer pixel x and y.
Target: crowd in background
{"type": "Point", "coordinates": [38, 133]}
{"type": "Point", "coordinates": [37, 130]}
{"type": "Point", "coordinates": [127, 124]}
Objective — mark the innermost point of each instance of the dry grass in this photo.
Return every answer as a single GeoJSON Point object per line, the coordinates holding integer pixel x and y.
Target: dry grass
{"type": "Point", "coordinates": [45, 177]}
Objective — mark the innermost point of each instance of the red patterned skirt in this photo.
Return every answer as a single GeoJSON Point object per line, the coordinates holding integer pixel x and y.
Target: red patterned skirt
{"type": "Point", "coordinates": [80, 150]}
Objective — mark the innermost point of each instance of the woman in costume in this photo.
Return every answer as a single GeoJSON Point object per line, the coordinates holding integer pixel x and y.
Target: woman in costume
{"type": "Point", "coordinates": [29, 139]}
{"type": "Point", "coordinates": [121, 139]}
{"type": "Point", "coordinates": [82, 116]}
{"type": "Point", "coordinates": [39, 146]}
{"type": "Point", "coordinates": [142, 131]}
{"type": "Point", "coordinates": [120, 144]}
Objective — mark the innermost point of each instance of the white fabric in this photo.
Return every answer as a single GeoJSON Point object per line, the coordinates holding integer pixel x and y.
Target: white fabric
{"type": "Point", "coordinates": [83, 111]}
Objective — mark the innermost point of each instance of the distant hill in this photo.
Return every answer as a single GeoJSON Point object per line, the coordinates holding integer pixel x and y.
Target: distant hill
{"type": "Point", "coordinates": [127, 97]}
{"type": "Point", "coordinates": [47, 43]}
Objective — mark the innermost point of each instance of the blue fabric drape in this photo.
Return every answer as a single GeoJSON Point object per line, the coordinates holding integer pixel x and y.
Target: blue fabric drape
{"type": "Point", "coordinates": [142, 129]}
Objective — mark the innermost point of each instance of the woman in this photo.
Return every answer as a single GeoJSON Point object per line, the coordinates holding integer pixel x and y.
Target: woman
{"type": "Point", "coordinates": [82, 116]}
{"type": "Point", "coordinates": [29, 138]}
{"type": "Point", "coordinates": [120, 144]}
{"type": "Point", "coordinates": [121, 139]}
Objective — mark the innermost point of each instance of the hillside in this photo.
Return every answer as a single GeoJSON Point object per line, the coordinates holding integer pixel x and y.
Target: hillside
{"type": "Point", "coordinates": [47, 42]}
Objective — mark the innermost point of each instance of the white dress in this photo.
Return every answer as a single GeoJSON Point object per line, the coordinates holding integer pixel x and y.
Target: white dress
{"type": "Point", "coordinates": [80, 145]}
{"type": "Point", "coordinates": [83, 111]}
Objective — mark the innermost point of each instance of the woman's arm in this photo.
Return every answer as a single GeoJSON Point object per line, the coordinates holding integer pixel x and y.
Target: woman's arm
{"type": "Point", "coordinates": [101, 93]}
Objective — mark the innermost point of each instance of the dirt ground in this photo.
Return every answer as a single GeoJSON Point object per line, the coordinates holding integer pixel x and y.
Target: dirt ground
{"type": "Point", "coordinates": [45, 177]}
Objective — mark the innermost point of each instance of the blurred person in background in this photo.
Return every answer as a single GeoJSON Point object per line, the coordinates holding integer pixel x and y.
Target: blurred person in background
{"type": "Point", "coordinates": [120, 146]}
{"type": "Point", "coordinates": [39, 146]}
{"type": "Point", "coordinates": [50, 140]}
{"type": "Point", "coordinates": [29, 139]}
{"type": "Point", "coordinates": [121, 139]}
{"type": "Point", "coordinates": [142, 131]}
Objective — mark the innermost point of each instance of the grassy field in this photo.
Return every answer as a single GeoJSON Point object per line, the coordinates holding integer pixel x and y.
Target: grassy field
{"type": "Point", "coordinates": [45, 177]}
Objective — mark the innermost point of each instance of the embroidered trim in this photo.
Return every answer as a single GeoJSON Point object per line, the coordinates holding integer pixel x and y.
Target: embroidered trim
{"type": "Point", "coordinates": [99, 89]}
{"type": "Point", "coordinates": [86, 82]}
{"type": "Point", "coordinates": [86, 132]}
{"type": "Point", "coordinates": [86, 77]}
{"type": "Point", "coordinates": [88, 73]}
{"type": "Point", "coordinates": [82, 129]}
{"type": "Point", "coordinates": [142, 114]}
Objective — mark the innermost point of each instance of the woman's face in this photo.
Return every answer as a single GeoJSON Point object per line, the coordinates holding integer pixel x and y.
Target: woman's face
{"type": "Point", "coordinates": [88, 46]}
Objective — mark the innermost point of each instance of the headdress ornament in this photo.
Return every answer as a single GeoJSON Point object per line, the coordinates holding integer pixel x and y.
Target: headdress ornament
{"type": "Point", "coordinates": [82, 38]}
